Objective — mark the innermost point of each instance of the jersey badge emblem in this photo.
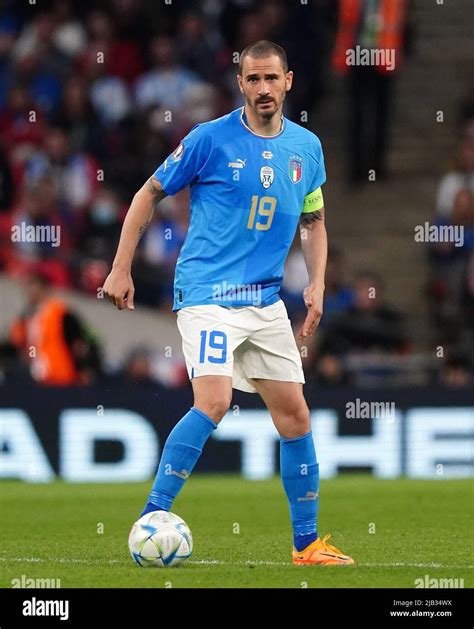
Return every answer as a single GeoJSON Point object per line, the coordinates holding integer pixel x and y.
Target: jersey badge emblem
{"type": "Point", "coordinates": [266, 176]}
{"type": "Point", "coordinates": [295, 169]}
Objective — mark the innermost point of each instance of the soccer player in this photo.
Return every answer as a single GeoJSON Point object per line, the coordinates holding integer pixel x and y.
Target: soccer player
{"type": "Point", "coordinates": [253, 176]}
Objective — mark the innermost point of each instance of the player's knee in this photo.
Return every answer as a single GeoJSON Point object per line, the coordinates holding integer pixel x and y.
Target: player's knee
{"type": "Point", "coordinates": [215, 406]}
{"type": "Point", "coordinates": [296, 423]}
{"type": "Point", "coordinates": [302, 420]}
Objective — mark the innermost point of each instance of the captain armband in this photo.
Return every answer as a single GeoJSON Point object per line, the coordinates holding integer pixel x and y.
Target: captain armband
{"type": "Point", "coordinates": [313, 201]}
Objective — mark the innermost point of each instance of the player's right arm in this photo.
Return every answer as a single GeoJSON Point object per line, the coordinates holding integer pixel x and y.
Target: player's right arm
{"type": "Point", "coordinates": [118, 286]}
{"type": "Point", "coordinates": [178, 170]}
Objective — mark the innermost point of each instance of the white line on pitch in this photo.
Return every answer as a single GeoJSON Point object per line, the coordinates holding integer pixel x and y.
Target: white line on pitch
{"type": "Point", "coordinates": [217, 562]}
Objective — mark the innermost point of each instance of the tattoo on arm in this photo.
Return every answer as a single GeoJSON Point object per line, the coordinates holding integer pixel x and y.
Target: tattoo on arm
{"type": "Point", "coordinates": [311, 217]}
{"type": "Point", "coordinates": [155, 188]}
{"type": "Point", "coordinates": [142, 229]}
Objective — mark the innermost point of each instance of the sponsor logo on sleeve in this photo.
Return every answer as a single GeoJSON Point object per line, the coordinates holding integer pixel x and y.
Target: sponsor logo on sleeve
{"type": "Point", "coordinates": [178, 153]}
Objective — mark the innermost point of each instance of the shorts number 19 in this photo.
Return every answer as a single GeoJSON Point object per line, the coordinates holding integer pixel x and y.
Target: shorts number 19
{"type": "Point", "coordinates": [217, 340]}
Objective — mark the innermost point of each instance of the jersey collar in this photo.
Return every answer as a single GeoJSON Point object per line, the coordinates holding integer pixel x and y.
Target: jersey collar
{"type": "Point", "coordinates": [266, 137]}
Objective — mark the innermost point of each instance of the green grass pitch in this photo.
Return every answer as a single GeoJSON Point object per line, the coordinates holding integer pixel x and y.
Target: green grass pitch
{"type": "Point", "coordinates": [396, 530]}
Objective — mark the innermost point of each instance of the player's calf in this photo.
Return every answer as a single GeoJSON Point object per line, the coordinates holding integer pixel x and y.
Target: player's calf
{"type": "Point", "coordinates": [180, 454]}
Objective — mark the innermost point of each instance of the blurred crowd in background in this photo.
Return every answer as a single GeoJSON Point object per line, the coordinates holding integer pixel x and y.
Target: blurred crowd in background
{"type": "Point", "coordinates": [91, 102]}
{"type": "Point", "coordinates": [90, 107]}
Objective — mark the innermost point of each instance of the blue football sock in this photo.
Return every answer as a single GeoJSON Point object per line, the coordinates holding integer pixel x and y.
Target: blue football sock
{"type": "Point", "coordinates": [180, 454]}
{"type": "Point", "coordinates": [300, 542]}
{"type": "Point", "coordinates": [299, 471]}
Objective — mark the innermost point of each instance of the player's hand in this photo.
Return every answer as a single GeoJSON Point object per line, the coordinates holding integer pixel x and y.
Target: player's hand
{"type": "Point", "coordinates": [119, 289]}
{"type": "Point", "coordinates": [313, 299]}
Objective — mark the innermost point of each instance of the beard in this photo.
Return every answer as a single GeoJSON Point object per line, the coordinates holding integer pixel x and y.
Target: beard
{"type": "Point", "coordinates": [267, 112]}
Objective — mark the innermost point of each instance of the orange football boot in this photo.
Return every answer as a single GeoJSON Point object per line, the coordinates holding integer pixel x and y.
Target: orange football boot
{"type": "Point", "coordinates": [321, 553]}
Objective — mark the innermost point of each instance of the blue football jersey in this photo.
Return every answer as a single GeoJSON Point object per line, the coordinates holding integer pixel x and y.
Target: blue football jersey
{"type": "Point", "coordinates": [247, 194]}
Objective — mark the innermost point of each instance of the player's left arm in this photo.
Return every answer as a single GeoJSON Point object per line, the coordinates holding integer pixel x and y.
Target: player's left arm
{"type": "Point", "coordinates": [314, 244]}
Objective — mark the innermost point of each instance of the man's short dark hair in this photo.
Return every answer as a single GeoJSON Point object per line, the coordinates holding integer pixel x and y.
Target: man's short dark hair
{"type": "Point", "coordinates": [261, 50]}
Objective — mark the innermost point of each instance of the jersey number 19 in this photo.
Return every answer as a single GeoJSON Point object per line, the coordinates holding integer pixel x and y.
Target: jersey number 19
{"type": "Point", "coordinates": [266, 209]}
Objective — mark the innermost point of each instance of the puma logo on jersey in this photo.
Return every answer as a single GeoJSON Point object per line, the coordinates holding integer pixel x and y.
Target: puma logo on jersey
{"type": "Point", "coordinates": [240, 163]}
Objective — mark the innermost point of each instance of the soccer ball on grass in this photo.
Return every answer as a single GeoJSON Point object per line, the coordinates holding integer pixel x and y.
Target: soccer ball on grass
{"type": "Point", "coordinates": [160, 539]}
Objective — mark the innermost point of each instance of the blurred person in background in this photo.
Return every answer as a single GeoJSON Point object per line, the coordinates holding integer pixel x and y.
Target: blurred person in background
{"type": "Point", "coordinates": [166, 83]}
{"type": "Point", "coordinates": [199, 105]}
{"type": "Point", "coordinates": [450, 285]}
{"type": "Point", "coordinates": [169, 89]}
{"type": "Point", "coordinates": [338, 294]}
{"type": "Point", "coordinates": [151, 368]}
{"type": "Point", "coordinates": [69, 34]}
{"type": "Point", "coordinates": [456, 372]}
{"type": "Point", "coordinates": [460, 178]}
{"type": "Point", "coordinates": [114, 135]}
{"type": "Point", "coordinates": [358, 341]}
{"type": "Point", "coordinates": [368, 25]}
{"type": "Point", "coordinates": [101, 225]}
{"type": "Point", "coordinates": [198, 46]}
{"type": "Point", "coordinates": [98, 234]}
{"type": "Point", "coordinates": [329, 370]}
{"type": "Point", "coordinates": [138, 367]}
{"type": "Point", "coordinates": [77, 116]}
{"type": "Point", "coordinates": [123, 56]}
{"type": "Point", "coordinates": [325, 365]}
{"type": "Point", "coordinates": [75, 174]}
{"type": "Point", "coordinates": [39, 212]}
{"type": "Point", "coordinates": [39, 64]}
{"type": "Point", "coordinates": [19, 135]}
{"type": "Point", "coordinates": [52, 340]}
{"type": "Point", "coordinates": [109, 95]}
{"type": "Point", "coordinates": [369, 324]}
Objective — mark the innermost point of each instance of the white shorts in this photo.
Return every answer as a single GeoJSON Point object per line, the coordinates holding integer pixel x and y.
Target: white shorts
{"type": "Point", "coordinates": [242, 343]}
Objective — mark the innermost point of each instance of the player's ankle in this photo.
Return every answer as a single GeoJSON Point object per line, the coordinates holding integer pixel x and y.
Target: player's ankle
{"type": "Point", "coordinates": [151, 506]}
{"type": "Point", "coordinates": [302, 541]}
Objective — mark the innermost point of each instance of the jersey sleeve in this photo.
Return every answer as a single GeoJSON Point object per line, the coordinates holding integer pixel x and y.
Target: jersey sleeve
{"type": "Point", "coordinates": [313, 200]}
{"type": "Point", "coordinates": [184, 165]}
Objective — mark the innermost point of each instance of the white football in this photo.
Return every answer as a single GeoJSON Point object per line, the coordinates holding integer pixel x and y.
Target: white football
{"type": "Point", "coordinates": [160, 539]}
